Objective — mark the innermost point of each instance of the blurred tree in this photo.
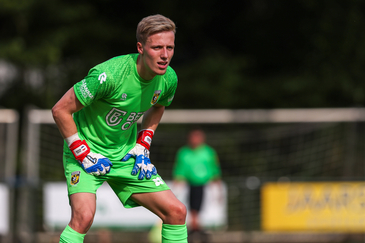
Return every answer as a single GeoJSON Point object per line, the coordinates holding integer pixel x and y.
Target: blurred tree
{"type": "Point", "coordinates": [58, 41]}
{"type": "Point", "coordinates": [255, 54]}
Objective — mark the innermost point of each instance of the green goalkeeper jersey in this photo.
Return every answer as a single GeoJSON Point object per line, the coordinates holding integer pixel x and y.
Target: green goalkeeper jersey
{"type": "Point", "coordinates": [115, 97]}
{"type": "Point", "coordinates": [197, 166]}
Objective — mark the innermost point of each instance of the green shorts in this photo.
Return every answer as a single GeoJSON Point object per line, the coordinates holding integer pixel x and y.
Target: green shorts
{"type": "Point", "coordinates": [119, 178]}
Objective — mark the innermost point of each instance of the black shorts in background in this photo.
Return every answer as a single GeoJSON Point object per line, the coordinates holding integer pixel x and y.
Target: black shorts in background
{"type": "Point", "coordinates": [196, 197]}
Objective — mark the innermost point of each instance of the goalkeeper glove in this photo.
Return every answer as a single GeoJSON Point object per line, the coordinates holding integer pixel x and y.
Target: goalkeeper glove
{"type": "Point", "coordinates": [92, 163]}
{"type": "Point", "coordinates": [141, 153]}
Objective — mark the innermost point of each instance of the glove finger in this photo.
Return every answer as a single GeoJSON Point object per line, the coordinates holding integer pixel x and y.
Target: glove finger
{"type": "Point", "coordinates": [127, 157]}
{"type": "Point", "coordinates": [95, 172]}
{"type": "Point", "coordinates": [106, 164]}
{"type": "Point", "coordinates": [143, 164]}
{"type": "Point", "coordinates": [138, 164]}
{"type": "Point", "coordinates": [141, 175]}
{"type": "Point", "coordinates": [103, 170]}
{"type": "Point", "coordinates": [148, 174]}
{"type": "Point", "coordinates": [136, 168]}
{"type": "Point", "coordinates": [154, 171]}
{"type": "Point", "coordinates": [134, 171]}
{"type": "Point", "coordinates": [149, 170]}
{"type": "Point", "coordinates": [89, 170]}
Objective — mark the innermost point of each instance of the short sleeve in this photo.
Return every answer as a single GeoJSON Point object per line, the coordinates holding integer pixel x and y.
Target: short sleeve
{"type": "Point", "coordinates": [170, 88]}
{"type": "Point", "coordinates": [96, 85]}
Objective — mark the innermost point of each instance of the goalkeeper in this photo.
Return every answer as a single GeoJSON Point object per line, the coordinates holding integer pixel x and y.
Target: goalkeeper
{"type": "Point", "coordinates": [97, 118]}
{"type": "Point", "coordinates": [197, 164]}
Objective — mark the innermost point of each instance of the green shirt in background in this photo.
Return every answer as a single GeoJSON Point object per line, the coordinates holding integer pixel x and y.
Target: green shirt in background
{"type": "Point", "coordinates": [115, 97]}
{"type": "Point", "coordinates": [197, 166]}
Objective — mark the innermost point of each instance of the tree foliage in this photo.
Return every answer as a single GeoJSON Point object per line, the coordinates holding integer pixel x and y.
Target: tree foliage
{"type": "Point", "coordinates": [252, 54]}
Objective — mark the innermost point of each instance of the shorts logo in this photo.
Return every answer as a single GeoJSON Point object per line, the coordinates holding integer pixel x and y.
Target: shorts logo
{"type": "Point", "coordinates": [75, 178]}
{"type": "Point", "coordinates": [158, 181]}
{"type": "Point", "coordinates": [170, 99]}
{"type": "Point", "coordinates": [155, 97]}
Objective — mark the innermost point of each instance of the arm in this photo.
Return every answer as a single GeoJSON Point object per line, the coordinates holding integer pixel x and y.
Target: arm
{"type": "Point", "coordinates": [141, 152]}
{"type": "Point", "coordinates": [62, 113]}
{"type": "Point", "coordinates": [94, 164]}
{"type": "Point", "coordinates": [152, 117]}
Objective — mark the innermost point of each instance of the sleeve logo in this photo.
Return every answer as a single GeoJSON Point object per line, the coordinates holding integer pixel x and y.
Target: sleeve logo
{"type": "Point", "coordinates": [85, 91]}
{"type": "Point", "coordinates": [102, 77]}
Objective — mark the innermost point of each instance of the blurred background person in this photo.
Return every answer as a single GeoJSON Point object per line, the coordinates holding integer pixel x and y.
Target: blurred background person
{"type": "Point", "coordinates": [196, 164]}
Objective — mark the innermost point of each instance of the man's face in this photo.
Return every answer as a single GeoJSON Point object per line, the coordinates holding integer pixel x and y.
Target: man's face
{"type": "Point", "coordinates": [155, 54]}
{"type": "Point", "coordinates": [196, 138]}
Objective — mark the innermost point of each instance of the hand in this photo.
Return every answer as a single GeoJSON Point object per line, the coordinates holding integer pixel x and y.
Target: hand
{"type": "Point", "coordinates": [143, 162]}
{"type": "Point", "coordinates": [92, 163]}
{"type": "Point", "coordinates": [141, 153]}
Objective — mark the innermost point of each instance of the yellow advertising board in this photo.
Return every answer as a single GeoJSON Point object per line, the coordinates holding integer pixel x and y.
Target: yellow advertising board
{"type": "Point", "coordinates": [314, 206]}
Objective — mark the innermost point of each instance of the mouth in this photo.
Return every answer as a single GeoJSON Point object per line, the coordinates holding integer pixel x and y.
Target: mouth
{"type": "Point", "coordinates": [162, 65]}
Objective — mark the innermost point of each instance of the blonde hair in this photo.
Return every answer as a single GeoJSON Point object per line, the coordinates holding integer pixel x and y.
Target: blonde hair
{"type": "Point", "coordinates": [153, 24]}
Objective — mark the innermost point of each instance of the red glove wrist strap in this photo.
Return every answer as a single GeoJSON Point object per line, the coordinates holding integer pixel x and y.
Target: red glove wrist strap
{"type": "Point", "coordinates": [145, 138]}
{"type": "Point", "coordinates": [80, 149]}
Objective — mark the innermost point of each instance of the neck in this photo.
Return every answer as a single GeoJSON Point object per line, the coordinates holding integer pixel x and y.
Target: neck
{"type": "Point", "coordinates": [142, 70]}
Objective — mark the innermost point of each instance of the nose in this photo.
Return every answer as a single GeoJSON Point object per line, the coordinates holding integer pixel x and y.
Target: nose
{"type": "Point", "coordinates": [164, 54]}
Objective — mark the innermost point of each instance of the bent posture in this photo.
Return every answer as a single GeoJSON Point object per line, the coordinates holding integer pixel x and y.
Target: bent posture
{"type": "Point", "coordinates": [97, 118]}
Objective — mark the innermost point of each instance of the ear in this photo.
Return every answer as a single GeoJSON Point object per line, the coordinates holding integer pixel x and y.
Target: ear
{"type": "Point", "coordinates": [140, 48]}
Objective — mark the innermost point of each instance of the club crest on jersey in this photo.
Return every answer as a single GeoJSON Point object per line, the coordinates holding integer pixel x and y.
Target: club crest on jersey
{"type": "Point", "coordinates": [75, 178]}
{"type": "Point", "coordinates": [155, 97]}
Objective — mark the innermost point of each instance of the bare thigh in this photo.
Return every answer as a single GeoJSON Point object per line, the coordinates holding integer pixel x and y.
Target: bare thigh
{"type": "Point", "coordinates": [83, 207]}
{"type": "Point", "coordinates": [164, 204]}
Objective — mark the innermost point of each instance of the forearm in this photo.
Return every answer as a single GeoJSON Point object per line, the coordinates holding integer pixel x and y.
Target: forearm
{"type": "Point", "coordinates": [62, 113]}
{"type": "Point", "coordinates": [65, 124]}
{"type": "Point", "coordinates": [152, 117]}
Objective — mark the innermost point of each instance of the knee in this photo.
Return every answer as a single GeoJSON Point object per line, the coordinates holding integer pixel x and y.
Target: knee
{"type": "Point", "coordinates": [81, 221]}
{"type": "Point", "coordinates": [178, 212]}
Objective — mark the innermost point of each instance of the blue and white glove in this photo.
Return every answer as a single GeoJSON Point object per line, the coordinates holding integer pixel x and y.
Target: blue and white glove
{"type": "Point", "coordinates": [141, 153]}
{"type": "Point", "coordinates": [92, 163]}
